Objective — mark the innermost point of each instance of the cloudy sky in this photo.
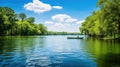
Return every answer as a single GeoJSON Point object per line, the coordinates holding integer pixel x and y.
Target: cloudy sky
{"type": "Point", "coordinates": [57, 15]}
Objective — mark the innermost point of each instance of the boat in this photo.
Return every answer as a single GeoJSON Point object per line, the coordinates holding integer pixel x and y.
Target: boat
{"type": "Point", "coordinates": [75, 37]}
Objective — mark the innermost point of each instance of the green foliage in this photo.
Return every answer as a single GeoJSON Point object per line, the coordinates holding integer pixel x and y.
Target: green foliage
{"type": "Point", "coordinates": [31, 20]}
{"type": "Point", "coordinates": [104, 22]}
{"type": "Point", "coordinates": [22, 16]}
{"type": "Point", "coordinates": [7, 18]}
{"type": "Point", "coordinates": [42, 28]}
{"type": "Point", "coordinates": [11, 25]}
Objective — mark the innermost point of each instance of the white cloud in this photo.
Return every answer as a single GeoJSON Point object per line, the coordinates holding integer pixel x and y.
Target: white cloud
{"type": "Point", "coordinates": [71, 20]}
{"type": "Point", "coordinates": [39, 7]}
{"type": "Point", "coordinates": [48, 22]}
{"type": "Point", "coordinates": [57, 7]}
{"type": "Point", "coordinates": [60, 27]}
{"type": "Point", "coordinates": [60, 23]}
{"type": "Point", "coordinates": [80, 22]}
{"type": "Point", "coordinates": [60, 17]}
{"type": "Point", "coordinates": [63, 18]}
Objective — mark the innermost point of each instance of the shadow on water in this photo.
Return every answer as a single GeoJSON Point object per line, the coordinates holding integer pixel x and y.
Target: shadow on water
{"type": "Point", "coordinates": [10, 44]}
{"type": "Point", "coordinates": [106, 52]}
{"type": "Point", "coordinates": [112, 58]}
{"type": "Point", "coordinates": [109, 60]}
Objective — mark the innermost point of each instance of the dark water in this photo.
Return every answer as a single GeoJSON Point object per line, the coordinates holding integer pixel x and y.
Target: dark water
{"type": "Point", "coordinates": [58, 51]}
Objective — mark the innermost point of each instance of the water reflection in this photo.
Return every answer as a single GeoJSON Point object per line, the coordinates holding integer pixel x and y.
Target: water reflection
{"type": "Point", "coordinates": [58, 51]}
{"type": "Point", "coordinates": [51, 51]}
{"type": "Point", "coordinates": [13, 50]}
{"type": "Point", "coordinates": [107, 53]}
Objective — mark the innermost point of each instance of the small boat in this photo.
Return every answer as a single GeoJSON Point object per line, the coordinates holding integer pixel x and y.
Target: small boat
{"type": "Point", "coordinates": [75, 37]}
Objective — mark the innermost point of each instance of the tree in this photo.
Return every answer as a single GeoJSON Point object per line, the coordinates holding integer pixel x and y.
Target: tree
{"type": "Point", "coordinates": [111, 14]}
{"type": "Point", "coordinates": [106, 21]}
{"type": "Point", "coordinates": [11, 25]}
{"type": "Point", "coordinates": [31, 20]}
{"type": "Point", "coordinates": [22, 16]}
{"type": "Point", "coordinates": [42, 28]}
{"type": "Point", "coordinates": [7, 19]}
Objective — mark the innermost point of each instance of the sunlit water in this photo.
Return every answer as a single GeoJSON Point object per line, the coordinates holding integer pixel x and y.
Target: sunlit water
{"type": "Point", "coordinates": [58, 51]}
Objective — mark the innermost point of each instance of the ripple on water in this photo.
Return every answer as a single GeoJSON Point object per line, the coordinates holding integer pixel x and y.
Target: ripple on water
{"type": "Point", "coordinates": [62, 59]}
{"type": "Point", "coordinates": [38, 60]}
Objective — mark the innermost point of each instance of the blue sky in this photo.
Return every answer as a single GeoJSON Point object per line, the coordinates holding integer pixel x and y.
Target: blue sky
{"type": "Point", "coordinates": [57, 15]}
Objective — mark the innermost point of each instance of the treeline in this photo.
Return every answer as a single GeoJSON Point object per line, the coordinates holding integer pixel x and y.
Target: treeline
{"type": "Point", "coordinates": [18, 24]}
{"type": "Point", "coordinates": [105, 22]}
{"type": "Point", "coordinates": [62, 33]}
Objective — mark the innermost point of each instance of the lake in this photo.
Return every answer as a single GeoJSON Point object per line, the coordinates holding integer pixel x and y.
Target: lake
{"type": "Point", "coordinates": [58, 51]}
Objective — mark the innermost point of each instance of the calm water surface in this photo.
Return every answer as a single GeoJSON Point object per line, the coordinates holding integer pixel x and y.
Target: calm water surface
{"type": "Point", "coordinates": [58, 51]}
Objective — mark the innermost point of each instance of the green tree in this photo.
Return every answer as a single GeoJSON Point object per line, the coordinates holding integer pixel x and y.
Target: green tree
{"type": "Point", "coordinates": [42, 28]}
{"type": "Point", "coordinates": [7, 19]}
{"type": "Point", "coordinates": [22, 16]}
{"type": "Point", "coordinates": [31, 20]}
{"type": "Point", "coordinates": [104, 22]}
{"type": "Point", "coordinates": [17, 24]}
